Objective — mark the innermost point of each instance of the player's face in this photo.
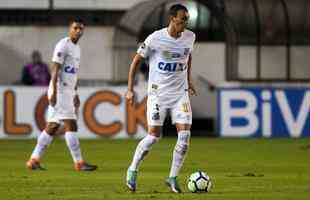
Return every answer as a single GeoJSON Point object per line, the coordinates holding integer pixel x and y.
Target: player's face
{"type": "Point", "coordinates": [76, 31]}
{"type": "Point", "coordinates": [180, 21]}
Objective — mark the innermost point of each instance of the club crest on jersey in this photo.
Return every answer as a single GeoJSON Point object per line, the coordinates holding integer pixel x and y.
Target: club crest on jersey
{"type": "Point", "coordinates": [70, 70]}
{"type": "Point", "coordinates": [171, 67]}
{"type": "Point", "coordinates": [166, 54]}
{"type": "Point", "coordinates": [59, 54]}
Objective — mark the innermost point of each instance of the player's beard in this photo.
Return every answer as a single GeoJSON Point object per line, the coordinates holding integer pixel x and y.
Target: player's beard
{"type": "Point", "coordinates": [76, 38]}
{"type": "Point", "coordinates": [180, 28]}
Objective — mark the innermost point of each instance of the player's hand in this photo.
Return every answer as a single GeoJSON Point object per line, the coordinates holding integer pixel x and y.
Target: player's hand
{"type": "Point", "coordinates": [192, 90]}
{"type": "Point", "coordinates": [130, 96]}
{"type": "Point", "coordinates": [53, 99]}
{"type": "Point", "coordinates": [76, 101]}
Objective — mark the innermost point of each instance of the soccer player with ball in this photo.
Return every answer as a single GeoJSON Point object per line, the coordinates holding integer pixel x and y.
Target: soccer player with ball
{"type": "Point", "coordinates": [169, 54]}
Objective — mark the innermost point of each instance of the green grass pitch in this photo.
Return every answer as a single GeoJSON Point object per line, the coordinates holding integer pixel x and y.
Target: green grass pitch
{"type": "Point", "coordinates": [240, 169]}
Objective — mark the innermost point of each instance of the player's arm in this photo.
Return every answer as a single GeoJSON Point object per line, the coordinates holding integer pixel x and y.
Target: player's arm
{"type": "Point", "coordinates": [143, 52]}
{"type": "Point", "coordinates": [131, 76]}
{"type": "Point", "coordinates": [76, 100]}
{"type": "Point", "coordinates": [57, 62]}
{"type": "Point", "coordinates": [55, 70]}
{"type": "Point", "coordinates": [191, 87]}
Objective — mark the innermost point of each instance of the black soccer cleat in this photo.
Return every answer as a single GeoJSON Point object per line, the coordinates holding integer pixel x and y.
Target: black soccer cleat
{"type": "Point", "coordinates": [83, 166]}
{"type": "Point", "coordinates": [34, 165]}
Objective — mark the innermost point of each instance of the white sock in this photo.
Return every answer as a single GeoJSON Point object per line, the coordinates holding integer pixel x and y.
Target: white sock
{"type": "Point", "coordinates": [179, 152]}
{"type": "Point", "coordinates": [74, 146]}
{"type": "Point", "coordinates": [43, 141]}
{"type": "Point", "coordinates": [142, 149]}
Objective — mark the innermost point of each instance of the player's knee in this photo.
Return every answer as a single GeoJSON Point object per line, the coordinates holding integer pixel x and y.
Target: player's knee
{"type": "Point", "coordinates": [70, 126]}
{"type": "Point", "coordinates": [183, 127]}
{"type": "Point", "coordinates": [155, 131]}
{"type": "Point", "coordinates": [147, 142]}
{"type": "Point", "coordinates": [51, 128]}
{"type": "Point", "coordinates": [156, 137]}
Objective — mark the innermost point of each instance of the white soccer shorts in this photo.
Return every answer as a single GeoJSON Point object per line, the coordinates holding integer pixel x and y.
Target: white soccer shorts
{"type": "Point", "coordinates": [180, 111]}
{"type": "Point", "coordinates": [64, 108]}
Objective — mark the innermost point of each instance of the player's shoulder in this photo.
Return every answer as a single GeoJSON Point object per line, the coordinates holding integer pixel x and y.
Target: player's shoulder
{"type": "Point", "coordinates": [158, 33]}
{"type": "Point", "coordinates": [63, 42]}
{"type": "Point", "coordinates": [189, 34]}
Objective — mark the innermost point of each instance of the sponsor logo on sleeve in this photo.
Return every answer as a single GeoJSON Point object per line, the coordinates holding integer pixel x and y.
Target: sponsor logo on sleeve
{"type": "Point", "coordinates": [142, 46]}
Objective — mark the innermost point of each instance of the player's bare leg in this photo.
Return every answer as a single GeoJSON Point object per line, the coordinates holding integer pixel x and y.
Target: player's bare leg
{"type": "Point", "coordinates": [74, 146]}
{"type": "Point", "coordinates": [179, 154]}
{"type": "Point", "coordinates": [142, 150]}
{"type": "Point", "coordinates": [44, 139]}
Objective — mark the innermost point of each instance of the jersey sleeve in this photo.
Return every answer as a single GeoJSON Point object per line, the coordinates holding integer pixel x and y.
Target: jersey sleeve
{"type": "Point", "coordinates": [146, 47]}
{"type": "Point", "coordinates": [59, 52]}
{"type": "Point", "coordinates": [193, 42]}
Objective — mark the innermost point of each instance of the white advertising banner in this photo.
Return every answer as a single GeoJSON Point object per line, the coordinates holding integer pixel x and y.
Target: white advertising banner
{"type": "Point", "coordinates": [103, 112]}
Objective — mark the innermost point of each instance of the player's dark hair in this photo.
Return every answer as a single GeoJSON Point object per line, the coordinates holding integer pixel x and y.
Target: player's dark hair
{"type": "Point", "coordinates": [76, 20]}
{"type": "Point", "coordinates": [173, 11]}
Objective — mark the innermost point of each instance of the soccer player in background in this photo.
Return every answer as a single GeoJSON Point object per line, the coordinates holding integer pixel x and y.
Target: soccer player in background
{"type": "Point", "coordinates": [63, 100]}
{"type": "Point", "coordinates": [169, 53]}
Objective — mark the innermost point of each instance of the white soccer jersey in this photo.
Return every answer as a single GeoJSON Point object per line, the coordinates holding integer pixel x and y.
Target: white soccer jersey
{"type": "Point", "coordinates": [168, 58]}
{"type": "Point", "coordinates": [67, 54]}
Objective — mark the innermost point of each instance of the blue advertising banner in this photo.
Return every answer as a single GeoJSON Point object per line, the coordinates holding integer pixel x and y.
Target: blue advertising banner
{"type": "Point", "coordinates": [263, 112]}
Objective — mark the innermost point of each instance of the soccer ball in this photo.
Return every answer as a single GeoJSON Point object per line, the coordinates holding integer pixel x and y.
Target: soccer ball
{"type": "Point", "coordinates": [199, 182]}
